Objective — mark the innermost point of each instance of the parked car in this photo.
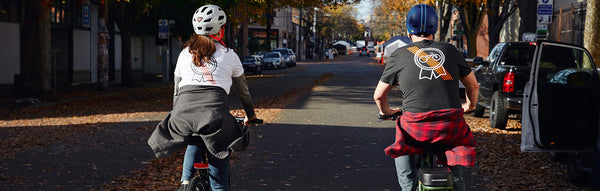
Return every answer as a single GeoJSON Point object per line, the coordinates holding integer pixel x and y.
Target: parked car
{"type": "Point", "coordinates": [252, 64]}
{"type": "Point", "coordinates": [295, 57]}
{"type": "Point", "coordinates": [353, 50]}
{"type": "Point", "coordinates": [502, 78]}
{"type": "Point", "coordinates": [362, 51]}
{"type": "Point", "coordinates": [561, 107]}
{"type": "Point", "coordinates": [273, 60]}
{"type": "Point", "coordinates": [371, 49]}
{"type": "Point", "coordinates": [288, 56]}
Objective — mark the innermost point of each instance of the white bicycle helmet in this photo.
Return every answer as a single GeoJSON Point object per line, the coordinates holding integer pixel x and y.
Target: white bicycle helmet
{"type": "Point", "coordinates": [208, 20]}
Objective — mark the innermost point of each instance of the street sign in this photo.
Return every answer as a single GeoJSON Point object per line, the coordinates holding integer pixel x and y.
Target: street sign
{"type": "Point", "coordinates": [544, 11]}
{"type": "Point", "coordinates": [459, 32]}
{"type": "Point", "coordinates": [163, 29]}
{"type": "Point", "coordinates": [542, 30]}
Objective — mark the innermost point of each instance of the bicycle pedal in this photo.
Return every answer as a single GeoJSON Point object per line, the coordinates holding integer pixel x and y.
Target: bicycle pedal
{"type": "Point", "coordinates": [436, 177]}
{"type": "Point", "coordinates": [200, 165]}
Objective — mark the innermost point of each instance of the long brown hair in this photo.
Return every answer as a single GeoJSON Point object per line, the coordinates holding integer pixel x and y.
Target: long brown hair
{"type": "Point", "coordinates": [202, 48]}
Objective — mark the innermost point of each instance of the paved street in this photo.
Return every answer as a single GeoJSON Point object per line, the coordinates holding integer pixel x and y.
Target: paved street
{"type": "Point", "coordinates": [327, 139]}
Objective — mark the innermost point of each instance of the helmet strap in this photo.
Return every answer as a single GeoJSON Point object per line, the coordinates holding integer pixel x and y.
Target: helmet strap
{"type": "Point", "coordinates": [218, 39]}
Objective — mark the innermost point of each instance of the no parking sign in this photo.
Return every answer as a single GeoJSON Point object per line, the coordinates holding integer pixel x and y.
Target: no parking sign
{"type": "Point", "coordinates": [163, 29]}
{"type": "Point", "coordinates": [544, 15]}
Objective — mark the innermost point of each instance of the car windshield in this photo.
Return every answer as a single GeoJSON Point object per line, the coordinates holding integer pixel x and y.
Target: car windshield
{"type": "Point", "coordinates": [247, 59]}
{"type": "Point", "coordinates": [271, 55]}
{"type": "Point", "coordinates": [283, 52]}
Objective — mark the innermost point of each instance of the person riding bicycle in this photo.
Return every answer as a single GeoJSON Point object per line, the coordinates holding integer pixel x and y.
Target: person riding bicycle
{"type": "Point", "coordinates": [200, 118]}
{"type": "Point", "coordinates": [427, 73]}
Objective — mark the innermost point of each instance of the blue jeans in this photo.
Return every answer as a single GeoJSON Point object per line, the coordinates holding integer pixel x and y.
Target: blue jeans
{"type": "Point", "coordinates": [218, 169]}
{"type": "Point", "coordinates": [407, 173]}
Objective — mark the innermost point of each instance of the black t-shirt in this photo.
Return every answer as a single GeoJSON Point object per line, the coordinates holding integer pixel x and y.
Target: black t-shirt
{"type": "Point", "coordinates": [427, 73]}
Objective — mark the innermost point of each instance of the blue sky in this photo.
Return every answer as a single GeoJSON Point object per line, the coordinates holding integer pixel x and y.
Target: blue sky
{"type": "Point", "coordinates": [364, 9]}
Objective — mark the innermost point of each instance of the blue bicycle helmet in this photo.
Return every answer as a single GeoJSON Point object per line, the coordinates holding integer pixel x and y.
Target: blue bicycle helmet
{"type": "Point", "coordinates": [422, 18]}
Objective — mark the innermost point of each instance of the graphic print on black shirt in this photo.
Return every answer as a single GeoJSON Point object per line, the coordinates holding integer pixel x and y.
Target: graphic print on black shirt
{"type": "Point", "coordinates": [204, 73]}
{"type": "Point", "coordinates": [431, 61]}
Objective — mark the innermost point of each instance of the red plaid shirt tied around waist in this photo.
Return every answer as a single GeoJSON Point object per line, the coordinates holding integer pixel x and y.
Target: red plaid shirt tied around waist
{"type": "Point", "coordinates": [442, 129]}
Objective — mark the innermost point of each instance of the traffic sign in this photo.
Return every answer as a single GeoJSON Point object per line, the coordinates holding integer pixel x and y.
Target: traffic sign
{"type": "Point", "coordinates": [544, 11]}
{"type": "Point", "coordinates": [163, 29]}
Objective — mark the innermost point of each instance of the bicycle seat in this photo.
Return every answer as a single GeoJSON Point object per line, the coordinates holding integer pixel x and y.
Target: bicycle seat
{"type": "Point", "coordinates": [436, 177]}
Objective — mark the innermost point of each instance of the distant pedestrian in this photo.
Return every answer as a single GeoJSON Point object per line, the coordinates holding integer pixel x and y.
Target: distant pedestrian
{"type": "Point", "coordinates": [200, 118]}
{"type": "Point", "coordinates": [427, 73]}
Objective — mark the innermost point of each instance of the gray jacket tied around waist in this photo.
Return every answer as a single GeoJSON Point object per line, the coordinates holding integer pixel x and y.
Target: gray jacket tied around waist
{"type": "Point", "coordinates": [198, 111]}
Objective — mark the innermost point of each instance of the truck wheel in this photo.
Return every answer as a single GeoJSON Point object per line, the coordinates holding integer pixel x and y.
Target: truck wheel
{"type": "Point", "coordinates": [479, 110]}
{"type": "Point", "coordinates": [498, 113]}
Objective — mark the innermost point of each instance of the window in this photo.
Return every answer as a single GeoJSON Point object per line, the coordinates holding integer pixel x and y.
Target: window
{"type": "Point", "coordinates": [565, 65]}
{"type": "Point", "coordinates": [8, 10]}
{"type": "Point", "coordinates": [61, 11]}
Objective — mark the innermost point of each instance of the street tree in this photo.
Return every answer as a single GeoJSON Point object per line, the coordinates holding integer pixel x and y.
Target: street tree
{"type": "Point", "coordinates": [127, 14]}
{"type": "Point", "coordinates": [444, 8]}
{"type": "Point", "coordinates": [471, 14]}
{"type": "Point", "coordinates": [592, 26]}
{"type": "Point", "coordinates": [36, 34]}
{"type": "Point", "coordinates": [390, 18]}
{"type": "Point", "coordinates": [528, 15]}
{"type": "Point", "coordinates": [498, 11]}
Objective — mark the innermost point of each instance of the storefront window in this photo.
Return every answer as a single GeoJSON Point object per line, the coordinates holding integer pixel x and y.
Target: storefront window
{"type": "Point", "coordinates": [8, 10]}
{"type": "Point", "coordinates": [61, 11]}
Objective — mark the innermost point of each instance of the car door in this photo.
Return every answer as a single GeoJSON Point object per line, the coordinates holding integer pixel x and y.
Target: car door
{"type": "Point", "coordinates": [560, 109]}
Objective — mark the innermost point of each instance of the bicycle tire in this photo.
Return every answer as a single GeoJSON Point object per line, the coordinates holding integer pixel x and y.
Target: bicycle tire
{"type": "Point", "coordinates": [198, 184]}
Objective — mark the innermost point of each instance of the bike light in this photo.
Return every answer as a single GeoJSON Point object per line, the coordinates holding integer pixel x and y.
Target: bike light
{"type": "Point", "coordinates": [509, 82]}
{"type": "Point", "coordinates": [200, 165]}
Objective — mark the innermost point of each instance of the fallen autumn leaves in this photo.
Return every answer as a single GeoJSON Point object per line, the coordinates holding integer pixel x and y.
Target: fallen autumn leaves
{"type": "Point", "coordinates": [499, 160]}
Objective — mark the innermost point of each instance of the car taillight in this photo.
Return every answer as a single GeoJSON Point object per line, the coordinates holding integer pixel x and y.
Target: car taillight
{"type": "Point", "coordinates": [509, 82]}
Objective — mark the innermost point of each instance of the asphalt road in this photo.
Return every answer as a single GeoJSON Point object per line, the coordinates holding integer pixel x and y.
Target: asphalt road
{"type": "Point", "coordinates": [328, 139]}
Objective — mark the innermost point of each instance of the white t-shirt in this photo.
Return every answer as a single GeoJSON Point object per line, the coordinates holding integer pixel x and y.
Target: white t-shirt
{"type": "Point", "coordinates": [225, 64]}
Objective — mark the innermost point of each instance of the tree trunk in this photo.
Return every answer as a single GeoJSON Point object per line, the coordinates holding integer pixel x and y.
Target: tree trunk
{"type": "Point", "coordinates": [445, 8]}
{"type": "Point", "coordinates": [471, 16]}
{"type": "Point", "coordinates": [496, 19]}
{"type": "Point", "coordinates": [528, 13]}
{"type": "Point", "coordinates": [126, 71]}
{"type": "Point", "coordinates": [591, 34]}
{"type": "Point", "coordinates": [103, 55]}
{"type": "Point", "coordinates": [472, 42]}
{"type": "Point", "coordinates": [36, 45]}
{"type": "Point", "coordinates": [269, 15]}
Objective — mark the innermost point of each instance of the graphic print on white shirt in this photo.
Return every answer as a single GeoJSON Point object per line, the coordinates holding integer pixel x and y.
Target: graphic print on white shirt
{"type": "Point", "coordinates": [205, 73]}
{"type": "Point", "coordinates": [431, 61]}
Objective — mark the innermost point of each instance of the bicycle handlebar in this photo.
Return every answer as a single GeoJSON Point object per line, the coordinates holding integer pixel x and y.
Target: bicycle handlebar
{"type": "Point", "coordinates": [389, 117]}
{"type": "Point", "coordinates": [251, 121]}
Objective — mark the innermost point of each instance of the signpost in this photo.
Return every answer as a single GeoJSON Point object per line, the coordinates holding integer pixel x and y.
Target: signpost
{"type": "Point", "coordinates": [163, 29]}
{"type": "Point", "coordinates": [544, 11]}
{"type": "Point", "coordinates": [544, 17]}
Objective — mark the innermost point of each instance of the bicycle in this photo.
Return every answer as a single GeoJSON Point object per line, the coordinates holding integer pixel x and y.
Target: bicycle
{"type": "Point", "coordinates": [431, 175]}
{"type": "Point", "coordinates": [201, 182]}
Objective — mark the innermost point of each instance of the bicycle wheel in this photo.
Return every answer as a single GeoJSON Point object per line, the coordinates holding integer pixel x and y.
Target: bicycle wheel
{"type": "Point", "coordinates": [199, 184]}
